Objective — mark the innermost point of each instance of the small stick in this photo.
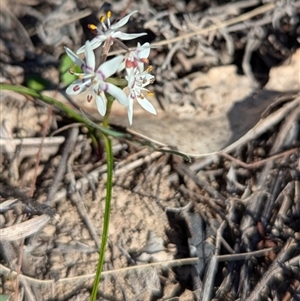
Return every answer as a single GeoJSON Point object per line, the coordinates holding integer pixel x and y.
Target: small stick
{"type": "Point", "coordinates": [68, 148]}
{"type": "Point", "coordinates": [259, 163]}
{"type": "Point", "coordinates": [208, 283]}
{"type": "Point", "coordinates": [282, 257]}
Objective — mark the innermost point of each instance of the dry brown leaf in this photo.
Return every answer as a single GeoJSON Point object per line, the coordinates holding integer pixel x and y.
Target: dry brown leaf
{"type": "Point", "coordinates": [24, 229]}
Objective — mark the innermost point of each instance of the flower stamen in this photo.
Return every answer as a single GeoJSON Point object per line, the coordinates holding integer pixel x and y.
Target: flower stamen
{"type": "Point", "coordinates": [92, 27]}
{"type": "Point", "coordinates": [102, 19]}
{"type": "Point", "coordinates": [108, 15]}
{"type": "Point", "coordinates": [107, 32]}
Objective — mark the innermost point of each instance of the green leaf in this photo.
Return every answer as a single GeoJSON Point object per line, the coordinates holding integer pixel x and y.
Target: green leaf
{"type": "Point", "coordinates": [64, 108]}
{"type": "Point", "coordinates": [4, 297]}
{"type": "Point", "coordinates": [65, 65]}
{"type": "Point", "coordinates": [37, 82]}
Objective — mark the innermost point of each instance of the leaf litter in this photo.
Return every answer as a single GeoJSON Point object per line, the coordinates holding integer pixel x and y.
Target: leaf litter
{"type": "Point", "coordinates": [224, 226]}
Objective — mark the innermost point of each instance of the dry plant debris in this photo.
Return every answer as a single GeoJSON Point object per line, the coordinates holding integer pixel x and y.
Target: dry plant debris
{"type": "Point", "coordinates": [225, 226]}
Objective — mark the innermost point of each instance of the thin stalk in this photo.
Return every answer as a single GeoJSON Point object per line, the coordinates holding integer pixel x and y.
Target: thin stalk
{"type": "Point", "coordinates": [109, 185]}
{"type": "Point", "coordinates": [62, 107]}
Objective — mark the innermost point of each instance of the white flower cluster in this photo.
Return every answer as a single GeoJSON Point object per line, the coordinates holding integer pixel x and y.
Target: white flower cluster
{"type": "Point", "coordinates": [95, 80]}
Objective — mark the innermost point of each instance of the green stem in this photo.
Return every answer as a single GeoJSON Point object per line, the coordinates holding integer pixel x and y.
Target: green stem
{"type": "Point", "coordinates": [67, 110]}
{"type": "Point", "coordinates": [49, 100]}
{"type": "Point", "coordinates": [109, 185]}
{"type": "Point", "coordinates": [87, 122]}
{"type": "Point", "coordinates": [107, 114]}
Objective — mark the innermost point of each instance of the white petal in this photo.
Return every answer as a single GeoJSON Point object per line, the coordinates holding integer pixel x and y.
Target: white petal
{"type": "Point", "coordinates": [130, 77]}
{"type": "Point", "coordinates": [121, 66]}
{"type": "Point", "coordinates": [130, 73]}
{"type": "Point", "coordinates": [130, 110]}
{"type": "Point", "coordinates": [95, 43]}
{"type": "Point", "coordinates": [144, 50]}
{"type": "Point", "coordinates": [117, 93]}
{"type": "Point", "coordinates": [99, 32]}
{"type": "Point", "coordinates": [146, 104]}
{"type": "Point", "coordinates": [138, 90]}
{"type": "Point", "coordinates": [147, 79]}
{"type": "Point", "coordinates": [89, 56]}
{"type": "Point", "coordinates": [127, 36]}
{"type": "Point", "coordinates": [141, 67]}
{"type": "Point", "coordinates": [78, 61]}
{"type": "Point", "coordinates": [123, 21]}
{"type": "Point", "coordinates": [101, 103]}
{"type": "Point", "coordinates": [110, 67]}
{"type": "Point", "coordinates": [79, 85]}
{"type": "Point", "coordinates": [80, 50]}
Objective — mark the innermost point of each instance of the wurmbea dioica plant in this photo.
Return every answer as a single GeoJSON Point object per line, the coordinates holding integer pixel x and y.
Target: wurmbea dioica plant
{"type": "Point", "coordinates": [103, 88]}
{"type": "Point", "coordinates": [98, 81]}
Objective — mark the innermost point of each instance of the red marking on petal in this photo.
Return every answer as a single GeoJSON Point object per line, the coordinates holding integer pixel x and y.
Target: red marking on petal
{"type": "Point", "coordinates": [89, 98]}
{"type": "Point", "coordinates": [130, 64]}
{"type": "Point", "coordinates": [76, 88]}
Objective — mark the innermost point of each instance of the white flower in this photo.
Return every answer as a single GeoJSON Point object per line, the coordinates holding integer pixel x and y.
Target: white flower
{"type": "Point", "coordinates": [136, 58]}
{"type": "Point", "coordinates": [137, 81]}
{"type": "Point", "coordinates": [109, 32]}
{"type": "Point", "coordinates": [95, 80]}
